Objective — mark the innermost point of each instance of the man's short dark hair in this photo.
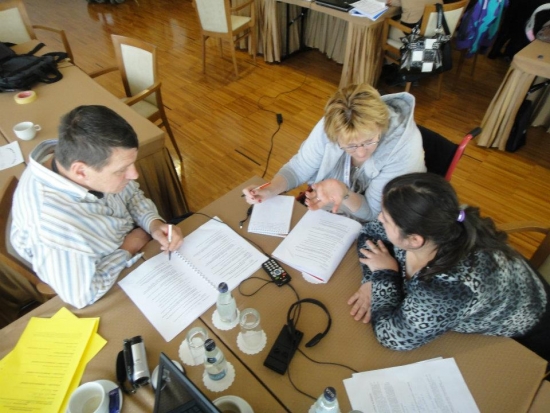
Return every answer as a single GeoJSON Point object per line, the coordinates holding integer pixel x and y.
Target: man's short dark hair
{"type": "Point", "coordinates": [90, 133]}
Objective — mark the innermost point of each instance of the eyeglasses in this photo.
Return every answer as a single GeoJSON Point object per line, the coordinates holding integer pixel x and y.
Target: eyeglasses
{"type": "Point", "coordinates": [353, 148]}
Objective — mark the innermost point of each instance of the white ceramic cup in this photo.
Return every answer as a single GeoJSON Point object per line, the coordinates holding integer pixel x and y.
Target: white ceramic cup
{"type": "Point", "coordinates": [232, 404]}
{"type": "Point", "coordinates": [89, 398]}
{"type": "Point", "coordinates": [195, 339]}
{"type": "Point", "coordinates": [251, 329]}
{"type": "Point", "coordinates": [26, 130]}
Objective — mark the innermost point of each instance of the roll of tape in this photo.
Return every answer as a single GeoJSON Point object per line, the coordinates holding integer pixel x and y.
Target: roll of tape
{"type": "Point", "coordinates": [27, 96]}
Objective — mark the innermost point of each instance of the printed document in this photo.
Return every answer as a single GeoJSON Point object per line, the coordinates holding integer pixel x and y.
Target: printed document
{"type": "Point", "coordinates": [173, 293]}
{"type": "Point", "coordinates": [372, 9]}
{"type": "Point", "coordinates": [318, 243]}
{"type": "Point", "coordinates": [272, 217]}
{"type": "Point", "coordinates": [47, 363]}
{"type": "Point", "coordinates": [433, 386]}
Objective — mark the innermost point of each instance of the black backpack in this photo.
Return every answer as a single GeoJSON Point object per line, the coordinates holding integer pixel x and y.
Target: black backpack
{"type": "Point", "coordinates": [21, 72]}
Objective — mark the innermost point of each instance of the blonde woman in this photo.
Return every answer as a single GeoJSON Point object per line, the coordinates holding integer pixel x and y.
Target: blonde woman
{"type": "Point", "coordinates": [363, 141]}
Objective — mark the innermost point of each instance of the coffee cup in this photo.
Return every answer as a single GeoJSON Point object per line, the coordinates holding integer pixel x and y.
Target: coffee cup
{"type": "Point", "coordinates": [26, 130]}
{"type": "Point", "coordinates": [89, 398]}
{"type": "Point", "coordinates": [232, 404]}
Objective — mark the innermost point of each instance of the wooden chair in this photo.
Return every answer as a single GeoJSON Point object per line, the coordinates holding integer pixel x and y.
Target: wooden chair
{"type": "Point", "coordinates": [218, 21]}
{"type": "Point", "coordinates": [440, 154]}
{"type": "Point", "coordinates": [16, 27]}
{"type": "Point", "coordinates": [393, 31]}
{"type": "Point", "coordinates": [541, 257]}
{"type": "Point", "coordinates": [137, 64]}
{"type": "Point", "coordinates": [6, 258]}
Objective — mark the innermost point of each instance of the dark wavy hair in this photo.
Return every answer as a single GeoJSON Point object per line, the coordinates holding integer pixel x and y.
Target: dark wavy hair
{"type": "Point", "coordinates": [427, 205]}
{"type": "Point", "coordinates": [90, 133]}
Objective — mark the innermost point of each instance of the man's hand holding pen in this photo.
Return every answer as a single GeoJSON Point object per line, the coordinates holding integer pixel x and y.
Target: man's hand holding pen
{"type": "Point", "coordinates": [162, 232]}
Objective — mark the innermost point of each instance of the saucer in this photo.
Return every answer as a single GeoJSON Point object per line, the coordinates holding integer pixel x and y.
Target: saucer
{"type": "Point", "coordinates": [242, 404]}
{"type": "Point", "coordinates": [154, 376]}
{"type": "Point", "coordinates": [108, 386]}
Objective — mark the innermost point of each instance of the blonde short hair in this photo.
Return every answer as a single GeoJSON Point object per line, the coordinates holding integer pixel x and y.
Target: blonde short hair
{"type": "Point", "coordinates": [354, 110]}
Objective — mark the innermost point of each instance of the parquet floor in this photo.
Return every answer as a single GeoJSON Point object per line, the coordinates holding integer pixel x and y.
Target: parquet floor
{"type": "Point", "coordinates": [226, 127]}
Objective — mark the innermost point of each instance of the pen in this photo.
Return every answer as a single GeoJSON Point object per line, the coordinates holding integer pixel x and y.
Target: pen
{"type": "Point", "coordinates": [169, 241]}
{"type": "Point", "coordinates": [259, 187]}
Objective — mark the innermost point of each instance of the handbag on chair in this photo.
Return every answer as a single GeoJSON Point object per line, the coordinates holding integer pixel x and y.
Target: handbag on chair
{"type": "Point", "coordinates": [421, 56]}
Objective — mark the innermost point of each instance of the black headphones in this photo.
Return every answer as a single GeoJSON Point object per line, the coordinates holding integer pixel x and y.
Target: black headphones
{"type": "Point", "coordinates": [292, 327]}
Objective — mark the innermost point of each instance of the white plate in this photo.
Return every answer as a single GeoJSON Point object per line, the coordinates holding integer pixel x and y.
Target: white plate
{"type": "Point", "coordinates": [242, 404]}
{"type": "Point", "coordinates": [155, 374]}
{"type": "Point", "coordinates": [108, 386]}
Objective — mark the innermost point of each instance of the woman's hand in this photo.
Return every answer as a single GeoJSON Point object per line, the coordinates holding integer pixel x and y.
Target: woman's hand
{"type": "Point", "coordinates": [329, 191]}
{"type": "Point", "coordinates": [253, 196]}
{"type": "Point", "coordinates": [377, 257]}
{"type": "Point", "coordinates": [361, 302]}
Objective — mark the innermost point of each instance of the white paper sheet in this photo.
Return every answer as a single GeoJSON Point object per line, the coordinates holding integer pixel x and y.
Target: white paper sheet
{"type": "Point", "coordinates": [272, 217]}
{"type": "Point", "coordinates": [10, 155]}
{"type": "Point", "coordinates": [434, 386]}
{"type": "Point", "coordinates": [318, 243]}
{"type": "Point", "coordinates": [173, 293]}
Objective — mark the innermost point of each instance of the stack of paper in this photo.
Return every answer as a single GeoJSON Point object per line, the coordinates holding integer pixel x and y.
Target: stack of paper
{"type": "Point", "coordinates": [272, 217]}
{"type": "Point", "coordinates": [372, 9]}
{"type": "Point", "coordinates": [172, 293]}
{"type": "Point", "coordinates": [432, 386]}
{"type": "Point", "coordinates": [47, 363]}
{"type": "Point", "coordinates": [317, 244]}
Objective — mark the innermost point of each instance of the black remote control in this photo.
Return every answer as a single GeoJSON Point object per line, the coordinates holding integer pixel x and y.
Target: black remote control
{"type": "Point", "coordinates": [276, 272]}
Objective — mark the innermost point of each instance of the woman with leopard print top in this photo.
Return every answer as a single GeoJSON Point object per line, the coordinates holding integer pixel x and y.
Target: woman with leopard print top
{"type": "Point", "coordinates": [431, 266]}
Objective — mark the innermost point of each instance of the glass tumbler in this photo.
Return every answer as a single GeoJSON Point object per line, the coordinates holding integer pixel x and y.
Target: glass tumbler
{"type": "Point", "coordinates": [251, 330]}
{"type": "Point", "coordinates": [195, 339]}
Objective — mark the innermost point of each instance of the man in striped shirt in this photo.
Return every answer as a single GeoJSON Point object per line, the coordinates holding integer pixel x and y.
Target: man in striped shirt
{"type": "Point", "coordinates": [79, 217]}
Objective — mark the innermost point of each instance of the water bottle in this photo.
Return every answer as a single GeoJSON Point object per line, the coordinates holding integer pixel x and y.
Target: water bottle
{"type": "Point", "coordinates": [227, 308]}
{"type": "Point", "coordinates": [214, 363]}
{"type": "Point", "coordinates": [327, 402]}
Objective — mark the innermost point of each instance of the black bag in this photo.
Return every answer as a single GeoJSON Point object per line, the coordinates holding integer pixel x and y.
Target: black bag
{"type": "Point", "coordinates": [518, 134]}
{"type": "Point", "coordinates": [21, 72]}
{"type": "Point", "coordinates": [422, 56]}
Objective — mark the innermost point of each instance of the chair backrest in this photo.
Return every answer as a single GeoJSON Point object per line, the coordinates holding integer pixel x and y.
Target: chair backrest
{"type": "Point", "coordinates": [541, 257]}
{"type": "Point", "coordinates": [15, 25]}
{"type": "Point", "coordinates": [6, 258]}
{"type": "Point", "coordinates": [439, 152]}
{"type": "Point", "coordinates": [460, 151]}
{"type": "Point", "coordinates": [453, 13]}
{"type": "Point", "coordinates": [441, 156]}
{"type": "Point", "coordinates": [214, 15]}
{"type": "Point", "coordinates": [137, 62]}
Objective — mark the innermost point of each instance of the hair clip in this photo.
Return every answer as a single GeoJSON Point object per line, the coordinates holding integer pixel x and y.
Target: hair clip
{"type": "Point", "coordinates": [461, 216]}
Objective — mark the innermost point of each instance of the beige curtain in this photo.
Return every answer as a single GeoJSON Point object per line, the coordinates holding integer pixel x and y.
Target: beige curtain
{"type": "Point", "coordinates": [363, 54]}
{"type": "Point", "coordinates": [160, 182]}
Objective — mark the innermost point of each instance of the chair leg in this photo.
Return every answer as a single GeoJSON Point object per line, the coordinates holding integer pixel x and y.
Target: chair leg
{"type": "Point", "coordinates": [408, 86]}
{"type": "Point", "coordinates": [439, 84]}
{"type": "Point", "coordinates": [253, 43]}
{"type": "Point", "coordinates": [220, 44]}
{"type": "Point", "coordinates": [234, 55]}
{"type": "Point", "coordinates": [203, 54]}
{"type": "Point", "coordinates": [473, 66]}
{"type": "Point", "coordinates": [171, 135]}
{"type": "Point", "coordinates": [460, 63]}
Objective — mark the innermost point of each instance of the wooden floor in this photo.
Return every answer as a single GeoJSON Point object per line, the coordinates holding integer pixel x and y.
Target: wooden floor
{"type": "Point", "coordinates": [225, 127]}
